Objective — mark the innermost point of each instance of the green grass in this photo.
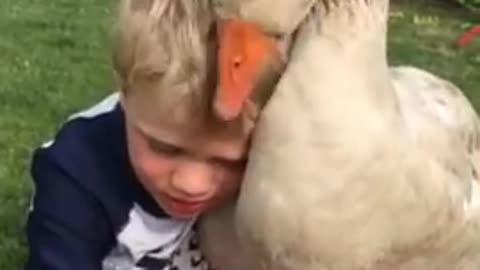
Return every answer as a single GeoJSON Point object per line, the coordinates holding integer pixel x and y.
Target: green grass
{"type": "Point", "coordinates": [54, 60]}
{"type": "Point", "coordinates": [424, 35]}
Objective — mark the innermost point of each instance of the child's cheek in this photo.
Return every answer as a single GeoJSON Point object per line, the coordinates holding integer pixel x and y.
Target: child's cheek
{"type": "Point", "coordinates": [149, 165]}
{"type": "Point", "coordinates": [230, 179]}
{"type": "Point", "coordinates": [155, 165]}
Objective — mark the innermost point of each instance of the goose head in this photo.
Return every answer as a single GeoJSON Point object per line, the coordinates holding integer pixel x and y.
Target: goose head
{"type": "Point", "coordinates": [249, 63]}
{"type": "Point", "coordinates": [255, 39]}
{"type": "Point", "coordinates": [245, 54]}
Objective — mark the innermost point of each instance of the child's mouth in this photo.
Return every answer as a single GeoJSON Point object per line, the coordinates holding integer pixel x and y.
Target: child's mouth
{"type": "Point", "coordinates": [183, 208]}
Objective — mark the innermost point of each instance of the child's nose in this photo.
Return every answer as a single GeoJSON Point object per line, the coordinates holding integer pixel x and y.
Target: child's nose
{"type": "Point", "coordinates": [194, 180]}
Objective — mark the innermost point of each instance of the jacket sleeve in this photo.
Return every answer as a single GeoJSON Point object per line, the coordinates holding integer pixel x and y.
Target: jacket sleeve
{"type": "Point", "coordinates": [66, 227]}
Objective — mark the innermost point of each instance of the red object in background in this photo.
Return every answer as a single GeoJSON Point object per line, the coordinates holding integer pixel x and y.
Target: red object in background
{"type": "Point", "coordinates": [466, 37]}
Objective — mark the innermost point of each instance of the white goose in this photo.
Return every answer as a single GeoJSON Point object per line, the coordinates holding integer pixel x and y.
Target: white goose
{"type": "Point", "coordinates": [273, 17]}
{"type": "Point", "coordinates": [355, 165]}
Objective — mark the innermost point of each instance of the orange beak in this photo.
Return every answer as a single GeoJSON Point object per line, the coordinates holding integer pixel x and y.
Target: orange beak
{"type": "Point", "coordinates": [243, 52]}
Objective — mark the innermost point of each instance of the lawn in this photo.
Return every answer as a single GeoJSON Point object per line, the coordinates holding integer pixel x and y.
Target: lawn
{"type": "Point", "coordinates": [54, 59]}
{"type": "Point", "coordinates": [424, 35]}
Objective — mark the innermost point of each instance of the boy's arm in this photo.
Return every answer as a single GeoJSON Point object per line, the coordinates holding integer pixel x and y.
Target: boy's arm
{"type": "Point", "coordinates": [66, 228]}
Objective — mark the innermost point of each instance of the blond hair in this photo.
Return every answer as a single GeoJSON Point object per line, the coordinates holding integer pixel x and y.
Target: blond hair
{"type": "Point", "coordinates": [164, 48]}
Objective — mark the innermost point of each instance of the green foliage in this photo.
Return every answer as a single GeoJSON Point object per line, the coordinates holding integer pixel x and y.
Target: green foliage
{"type": "Point", "coordinates": [471, 4]}
{"type": "Point", "coordinates": [54, 60]}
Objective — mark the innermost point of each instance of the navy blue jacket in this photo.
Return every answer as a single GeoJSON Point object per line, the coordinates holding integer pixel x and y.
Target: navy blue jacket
{"type": "Point", "coordinates": [88, 210]}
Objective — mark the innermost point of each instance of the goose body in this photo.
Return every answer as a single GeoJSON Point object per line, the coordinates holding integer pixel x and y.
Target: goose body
{"type": "Point", "coordinates": [423, 97]}
{"type": "Point", "coordinates": [355, 165]}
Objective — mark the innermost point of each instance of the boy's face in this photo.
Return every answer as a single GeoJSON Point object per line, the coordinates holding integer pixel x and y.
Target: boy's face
{"type": "Point", "coordinates": [186, 167]}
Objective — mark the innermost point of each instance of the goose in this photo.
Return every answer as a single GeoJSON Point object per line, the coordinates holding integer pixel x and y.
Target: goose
{"type": "Point", "coordinates": [354, 164]}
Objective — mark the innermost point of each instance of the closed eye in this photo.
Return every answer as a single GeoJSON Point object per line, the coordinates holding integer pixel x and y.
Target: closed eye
{"type": "Point", "coordinates": [163, 148]}
{"type": "Point", "coordinates": [230, 162]}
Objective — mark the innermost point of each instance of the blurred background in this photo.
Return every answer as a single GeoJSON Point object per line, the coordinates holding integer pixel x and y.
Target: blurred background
{"type": "Point", "coordinates": [55, 60]}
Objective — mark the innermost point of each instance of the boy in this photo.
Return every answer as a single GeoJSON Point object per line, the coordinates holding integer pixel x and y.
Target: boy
{"type": "Point", "coordinates": [122, 182]}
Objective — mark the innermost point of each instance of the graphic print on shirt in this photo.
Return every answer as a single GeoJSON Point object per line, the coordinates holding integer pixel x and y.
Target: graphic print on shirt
{"type": "Point", "coordinates": [150, 243]}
